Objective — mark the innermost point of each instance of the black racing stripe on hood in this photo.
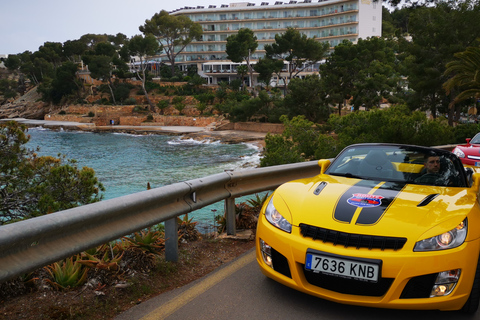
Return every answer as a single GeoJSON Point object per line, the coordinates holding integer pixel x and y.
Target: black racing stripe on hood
{"type": "Point", "coordinates": [343, 211]}
{"type": "Point", "coordinates": [385, 194]}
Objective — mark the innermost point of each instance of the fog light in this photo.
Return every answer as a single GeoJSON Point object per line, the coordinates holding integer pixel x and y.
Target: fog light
{"type": "Point", "coordinates": [266, 253]}
{"type": "Point", "coordinates": [445, 283]}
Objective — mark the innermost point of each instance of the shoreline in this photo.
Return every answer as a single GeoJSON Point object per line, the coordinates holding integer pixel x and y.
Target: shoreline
{"type": "Point", "coordinates": [197, 133]}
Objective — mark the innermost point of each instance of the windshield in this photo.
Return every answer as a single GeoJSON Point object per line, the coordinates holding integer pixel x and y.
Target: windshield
{"type": "Point", "coordinates": [476, 139]}
{"type": "Point", "coordinates": [397, 163]}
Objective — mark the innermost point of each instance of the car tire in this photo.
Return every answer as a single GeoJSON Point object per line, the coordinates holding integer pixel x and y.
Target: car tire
{"type": "Point", "coordinates": [471, 306]}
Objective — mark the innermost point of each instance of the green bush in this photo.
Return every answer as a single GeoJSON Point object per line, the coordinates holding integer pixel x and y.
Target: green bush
{"type": "Point", "coordinates": [91, 114]}
{"type": "Point", "coordinates": [463, 131]}
{"type": "Point", "coordinates": [177, 99]}
{"type": "Point", "coordinates": [62, 112]}
{"type": "Point", "coordinates": [163, 104]}
{"type": "Point", "coordinates": [301, 140]}
{"type": "Point", "coordinates": [129, 101]}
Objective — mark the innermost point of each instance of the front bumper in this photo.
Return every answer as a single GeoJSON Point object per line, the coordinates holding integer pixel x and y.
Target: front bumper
{"type": "Point", "coordinates": [403, 272]}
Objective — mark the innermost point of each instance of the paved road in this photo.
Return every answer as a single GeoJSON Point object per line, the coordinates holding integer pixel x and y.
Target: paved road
{"type": "Point", "coordinates": [239, 291]}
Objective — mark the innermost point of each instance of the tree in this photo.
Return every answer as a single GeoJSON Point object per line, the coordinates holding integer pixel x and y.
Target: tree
{"type": "Point", "coordinates": [465, 72]}
{"type": "Point", "coordinates": [143, 47]}
{"type": "Point", "coordinates": [437, 34]}
{"type": "Point", "coordinates": [365, 72]}
{"type": "Point", "coordinates": [300, 51]}
{"type": "Point", "coordinates": [338, 73]}
{"type": "Point", "coordinates": [74, 49]}
{"type": "Point", "coordinates": [31, 186]}
{"type": "Point", "coordinates": [306, 97]}
{"type": "Point", "coordinates": [101, 63]}
{"type": "Point", "coordinates": [240, 47]}
{"type": "Point", "coordinates": [63, 84]}
{"type": "Point", "coordinates": [266, 68]}
{"type": "Point", "coordinates": [174, 33]}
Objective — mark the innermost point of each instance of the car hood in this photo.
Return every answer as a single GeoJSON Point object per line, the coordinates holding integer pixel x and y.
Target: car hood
{"type": "Point", "coordinates": [372, 207]}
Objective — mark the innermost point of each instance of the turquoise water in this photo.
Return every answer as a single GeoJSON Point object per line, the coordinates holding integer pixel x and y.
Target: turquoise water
{"type": "Point", "coordinates": [125, 163]}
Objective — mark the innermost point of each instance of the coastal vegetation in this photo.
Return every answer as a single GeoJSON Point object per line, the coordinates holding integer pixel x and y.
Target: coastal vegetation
{"type": "Point", "coordinates": [31, 186]}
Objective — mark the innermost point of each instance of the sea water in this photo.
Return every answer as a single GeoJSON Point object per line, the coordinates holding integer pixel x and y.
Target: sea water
{"type": "Point", "coordinates": [127, 163]}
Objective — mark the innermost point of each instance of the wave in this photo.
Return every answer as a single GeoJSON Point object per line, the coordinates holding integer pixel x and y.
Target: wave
{"type": "Point", "coordinates": [180, 141]}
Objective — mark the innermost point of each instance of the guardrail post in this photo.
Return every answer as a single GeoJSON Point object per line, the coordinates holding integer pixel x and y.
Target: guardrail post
{"type": "Point", "coordinates": [230, 216]}
{"type": "Point", "coordinates": [171, 240]}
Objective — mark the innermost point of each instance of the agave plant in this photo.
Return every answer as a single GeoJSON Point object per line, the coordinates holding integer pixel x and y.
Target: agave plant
{"type": "Point", "coordinates": [103, 263]}
{"type": "Point", "coordinates": [66, 274]}
{"type": "Point", "coordinates": [258, 201]}
{"type": "Point", "coordinates": [148, 240]}
{"type": "Point", "coordinates": [187, 229]}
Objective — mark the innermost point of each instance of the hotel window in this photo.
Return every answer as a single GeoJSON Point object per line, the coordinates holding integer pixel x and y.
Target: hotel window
{"type": "Point", "coordinates": [261, 15]}
{"type": "Point", "coordinates": [260, 25]}
{"type": "Point", "coordinates": [247, 15]}
{"type": "Point", "coordinates": [223, 17]}
{"type": "Point", "coordinates": [248, 25]}
{"type": "Point", "coordinates": [299, 24]}
{"type": "Point", "coordinates": [273, 14]}
{"type": "Point", "coordinates": [287, 24]}
{"type": "Point", "coordinates": [261, 36]}
{"type": "Point", "coordinates": [300, 13]}
{"type": "Point", "coordinates": [313, 13]}
{"type": "Point", "coordinates": [235, 26]}
{"type": "Point", "coordinates": [223, 37]}
{"type": "Point", "coordinates": [211, 37]}
{"type": "Point", "coordinates": [211, 27]}
{"type": "Point", "coordinates": [223, 27]}
{"type": "Point", "coordinates": [234, 16]}
{"type": "Point", "coordinates": [210, 17]}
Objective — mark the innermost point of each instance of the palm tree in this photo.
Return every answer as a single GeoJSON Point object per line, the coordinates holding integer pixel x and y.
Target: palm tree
{"type": "Point", "coordinates": [466, 75]}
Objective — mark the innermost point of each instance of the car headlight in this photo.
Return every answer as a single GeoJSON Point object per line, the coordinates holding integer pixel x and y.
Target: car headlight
{"type": "Point", "coordinates": [459, 153]}
{"type": "Point", "coordinates": [275, 218]}
{"type": "Point", "coordinates": [447, 240]}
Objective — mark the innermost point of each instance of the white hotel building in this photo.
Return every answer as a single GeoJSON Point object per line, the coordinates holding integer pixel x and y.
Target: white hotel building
{"type": "Point", "coordinates": [329, 21]}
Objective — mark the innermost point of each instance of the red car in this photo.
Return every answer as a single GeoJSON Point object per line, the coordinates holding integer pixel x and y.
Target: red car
{"type": "Point", "coordinates": [469, 153]}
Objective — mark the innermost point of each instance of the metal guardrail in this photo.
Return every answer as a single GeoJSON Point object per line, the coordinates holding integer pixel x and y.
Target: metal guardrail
{"type": "Point", "coordinates": [34, 243]}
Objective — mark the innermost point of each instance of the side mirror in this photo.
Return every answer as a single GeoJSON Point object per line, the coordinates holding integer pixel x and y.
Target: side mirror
{"type": "Point", "coordinates": [468, 140]}
{"type": "Point", "coordinates": [323, 164]}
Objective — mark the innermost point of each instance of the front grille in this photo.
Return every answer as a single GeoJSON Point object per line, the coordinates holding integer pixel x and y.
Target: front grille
{"type": "Point", "coordinates": [348, 286]}
{"type": "Point", "coordinates": [419, 287]}
{"type": "Point", "coordinates": [352, 239]}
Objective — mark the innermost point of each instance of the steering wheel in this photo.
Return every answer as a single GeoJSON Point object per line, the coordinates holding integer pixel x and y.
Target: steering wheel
{"type": "Point", "coordinates": [431, 179]}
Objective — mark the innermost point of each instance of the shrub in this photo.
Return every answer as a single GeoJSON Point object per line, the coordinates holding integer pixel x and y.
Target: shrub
{"type": "Point", "coordinates": [177, 99]}
{"type": "Point", "coordinates": [91, 114]}
{"type": "Point", "coordinates": [62, 112]}
{"type": "Point", "coordinates": [163, 104]}
{"type": "Point", "coordinates": [129, 101]}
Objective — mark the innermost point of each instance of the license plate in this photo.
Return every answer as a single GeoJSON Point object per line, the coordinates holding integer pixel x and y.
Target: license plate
{"type": "Point", "coordinates": [342, 267]}
{"type": "Point", "coordinates": [477, 164]}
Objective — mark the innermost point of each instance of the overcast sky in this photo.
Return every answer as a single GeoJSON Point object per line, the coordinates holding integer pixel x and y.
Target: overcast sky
{"type": "Point", "coordinates": [28, 24]}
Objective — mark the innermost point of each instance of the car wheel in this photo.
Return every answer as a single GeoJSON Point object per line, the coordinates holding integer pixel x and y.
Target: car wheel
{"type": "Point", "coordinates": [471, 305]}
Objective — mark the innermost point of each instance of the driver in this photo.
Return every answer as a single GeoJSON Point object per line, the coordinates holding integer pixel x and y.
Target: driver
{"type": "Point", "coordinates": [431, 173]}
{"type": "Point", "coordinates": [432, 164]}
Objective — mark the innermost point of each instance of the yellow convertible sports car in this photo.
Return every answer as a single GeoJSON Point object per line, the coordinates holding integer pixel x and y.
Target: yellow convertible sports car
{"type": "Point", "coordinates": [382, 225]}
